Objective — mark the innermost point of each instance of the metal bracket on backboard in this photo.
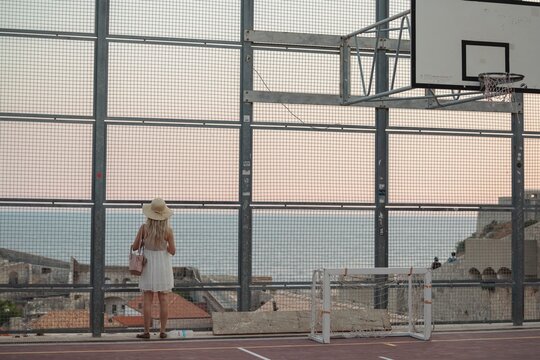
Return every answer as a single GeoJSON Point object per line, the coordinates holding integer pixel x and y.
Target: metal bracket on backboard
{"type": "Point", "coordinates": [420, 102]}
{"type": "Point", "coordinates": [302, 40]}
{"type": "Point", "coordinates": [363, 46]}
{"type": "Point", "coordinates": [380, 29]}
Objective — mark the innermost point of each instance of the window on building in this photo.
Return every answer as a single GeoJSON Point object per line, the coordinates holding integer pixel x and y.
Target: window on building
{"type": "Point", "coordinates": [13, 278]}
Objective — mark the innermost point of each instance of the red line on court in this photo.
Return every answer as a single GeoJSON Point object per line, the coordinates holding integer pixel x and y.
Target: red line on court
{"type": "Point", "coordinates": [514, 344]}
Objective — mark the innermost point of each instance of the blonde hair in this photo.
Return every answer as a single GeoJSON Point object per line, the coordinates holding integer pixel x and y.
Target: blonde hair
{"type": "Point", "coordinates": [155, 234]}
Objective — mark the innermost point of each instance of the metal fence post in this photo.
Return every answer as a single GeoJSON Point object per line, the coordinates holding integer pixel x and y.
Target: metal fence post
{"type": "Point", "coordinates": [381, 156]}
{"type": "Point", "coordinates": [518, 203]}
{"type": "Point", "coordinates": [97, 257]}
{"type": "Point", "coordinates": [246, 137]}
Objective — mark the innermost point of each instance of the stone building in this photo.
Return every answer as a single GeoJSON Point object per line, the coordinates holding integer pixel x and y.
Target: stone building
{"type": "Point", "coordinates": [39, 306]}
{"type": "Point", "coordinates": [487, 258]}
{"type": "Point", "coordinates": [17, 268]}
{"type": "Point", "coordinates": [532, 201]}
{"type": "Point", "coordinates": [490, 256]}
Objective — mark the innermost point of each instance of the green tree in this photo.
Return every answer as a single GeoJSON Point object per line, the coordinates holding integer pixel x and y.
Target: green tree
{"type": "Point", "coordinates": [7, 311]}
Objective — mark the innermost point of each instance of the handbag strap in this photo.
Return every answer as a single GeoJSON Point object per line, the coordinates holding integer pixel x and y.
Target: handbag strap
{"type": "Point", "coordinates": [141, 242]}
{"type": "Point", "coordinates": [141, 245]}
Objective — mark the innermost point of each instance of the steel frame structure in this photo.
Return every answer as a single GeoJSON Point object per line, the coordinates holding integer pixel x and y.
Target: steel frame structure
{"type": "Point", "coordinates": [381, 47]}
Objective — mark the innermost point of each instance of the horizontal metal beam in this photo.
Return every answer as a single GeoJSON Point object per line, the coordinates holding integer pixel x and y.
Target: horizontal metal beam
{"type": "Point", "coordinates": [404, 103]}
{"type": "Point", "coordinates": [176, 123]}
{"type": "Point", "coordinates": [46, 202]}
{"type": "Point", "coordinates": [172, 40]}
{"type": "Point", "coordinates": [44, 116]}
{"type": "Point", "coordinates": [374, 25]}
{"type": "Point", "coordinates": [377, 96]}
{"type": "Point", "coordinates": [297, 39]}
{"type": "Point", "coordinates": [304, 40]}
{"type": "Point", "coordinates": [177, 42]}
{"type": "Point", "coordinates": [47, 35]}
{"type": "Point", "coordinates": [173, 204]}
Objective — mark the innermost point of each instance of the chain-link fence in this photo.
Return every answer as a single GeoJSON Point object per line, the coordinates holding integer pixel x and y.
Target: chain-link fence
{"type": "Point", "coordinates": [107, 104]}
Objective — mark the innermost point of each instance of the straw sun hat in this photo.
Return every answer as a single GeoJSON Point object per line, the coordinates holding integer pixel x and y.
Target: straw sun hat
{"type": "Point", "coordinates": [157, 210]}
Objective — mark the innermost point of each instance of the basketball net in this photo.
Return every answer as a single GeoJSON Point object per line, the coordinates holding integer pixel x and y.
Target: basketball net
{"type": "Point", "coordinates": [498, 86]}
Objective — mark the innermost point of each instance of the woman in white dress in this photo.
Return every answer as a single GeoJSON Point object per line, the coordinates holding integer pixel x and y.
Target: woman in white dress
{"type": "Point", "coordinates": [157, 240]}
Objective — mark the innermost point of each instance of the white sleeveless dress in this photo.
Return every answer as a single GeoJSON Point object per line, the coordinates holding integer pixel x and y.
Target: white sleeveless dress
{"type": "Point", "coordinates": [157, 275]}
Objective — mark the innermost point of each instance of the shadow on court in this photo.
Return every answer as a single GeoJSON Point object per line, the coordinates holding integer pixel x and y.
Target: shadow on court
{"type": "Point", "coordinates": [493, 345]}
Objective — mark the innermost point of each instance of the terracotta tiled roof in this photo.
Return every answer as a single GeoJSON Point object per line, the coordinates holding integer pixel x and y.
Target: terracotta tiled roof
{"type": "Point", "coordinates": [68, 319]}
{"type": "Point", "coordinates": [130, 321]}
{"type": "Point", "coordinates": [179, 308]}
{"type": "Point", "coordinates": [203, 306]}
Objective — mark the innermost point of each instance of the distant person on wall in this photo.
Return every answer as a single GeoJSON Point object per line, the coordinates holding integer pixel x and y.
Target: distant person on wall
{"type": "Point", "coordinates": [436, 263]}
{"type": "Point", "coordinates": [157, 276]}
{"type": "Point", "coordinates": [452, 258]}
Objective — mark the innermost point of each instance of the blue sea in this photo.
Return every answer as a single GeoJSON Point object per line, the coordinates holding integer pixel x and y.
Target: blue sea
{"type": "Point", "coordinates": [287, 244]}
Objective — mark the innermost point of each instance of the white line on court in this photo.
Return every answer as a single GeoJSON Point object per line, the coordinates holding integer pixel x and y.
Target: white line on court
{"type": "Point", "coordinates": [384, 358]}
{"type": "Point", "coordinates": [254, 354]}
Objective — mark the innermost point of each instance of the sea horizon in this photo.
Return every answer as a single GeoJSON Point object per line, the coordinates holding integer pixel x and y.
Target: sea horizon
{"type": "Point", "coordinates": [287, 246]}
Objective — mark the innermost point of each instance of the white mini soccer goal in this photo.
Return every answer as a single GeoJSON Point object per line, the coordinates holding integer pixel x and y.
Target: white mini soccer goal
{"type": "Point", "coordinates": [370, 303]}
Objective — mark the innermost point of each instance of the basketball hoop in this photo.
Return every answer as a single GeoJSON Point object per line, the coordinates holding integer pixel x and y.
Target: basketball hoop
{"type": "Point", "coordinates": [499, 84]}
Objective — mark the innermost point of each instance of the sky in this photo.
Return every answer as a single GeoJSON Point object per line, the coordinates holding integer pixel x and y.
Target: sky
{"type": "Point", "coordinates": [55, 76]}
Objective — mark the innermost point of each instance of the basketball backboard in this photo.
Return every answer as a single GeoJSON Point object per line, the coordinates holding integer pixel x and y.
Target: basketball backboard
{"type": "Point", "coordinates": [453, 41]}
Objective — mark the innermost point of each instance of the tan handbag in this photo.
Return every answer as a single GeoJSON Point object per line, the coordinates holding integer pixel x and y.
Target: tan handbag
{"type": "Point", "coordinates": [137, 260]}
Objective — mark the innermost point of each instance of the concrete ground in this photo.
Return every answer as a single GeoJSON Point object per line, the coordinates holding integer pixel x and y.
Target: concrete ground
{"type": "Point", "coordinates": [207, 335]}
{"type": "Point", "coordinates": [469, 342]}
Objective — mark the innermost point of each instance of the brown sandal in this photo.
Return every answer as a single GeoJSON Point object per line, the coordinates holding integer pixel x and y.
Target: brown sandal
{"type": "Point", "coordinates": [143, 336]}
{"type": "Point", "coordinates": [162, 335]}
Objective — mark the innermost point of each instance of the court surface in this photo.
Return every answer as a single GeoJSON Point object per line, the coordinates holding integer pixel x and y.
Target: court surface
{"type": "Point", "coordinates": [513, 344]}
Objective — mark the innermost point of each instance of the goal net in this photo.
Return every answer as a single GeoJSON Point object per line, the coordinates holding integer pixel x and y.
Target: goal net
{"type": "Point", "coordinates": [371, 302]}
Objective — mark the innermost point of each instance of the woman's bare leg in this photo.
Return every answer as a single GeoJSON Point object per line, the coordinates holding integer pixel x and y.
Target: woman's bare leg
{"type": "Point", "coordinates": [147, 310]}
{"type": "Point", "coordinates": [163, 310]}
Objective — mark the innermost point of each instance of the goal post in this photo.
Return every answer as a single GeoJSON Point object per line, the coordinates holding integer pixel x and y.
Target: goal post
{"type": "Point", "coordinates": [371, 302]}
